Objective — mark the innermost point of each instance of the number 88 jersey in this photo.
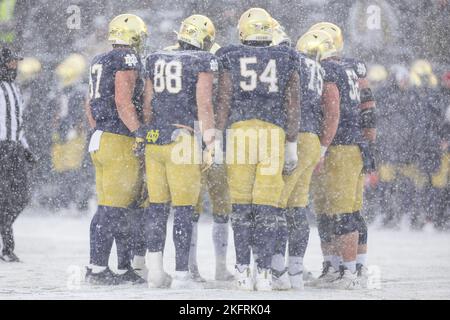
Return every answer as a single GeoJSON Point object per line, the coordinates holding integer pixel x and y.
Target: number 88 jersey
{"type": "Point", "coordinates": [174, 75]}
{"type": "Point", "coordinates": [102, 75]}
{"type": "Point", "coordinates": [260, 77]}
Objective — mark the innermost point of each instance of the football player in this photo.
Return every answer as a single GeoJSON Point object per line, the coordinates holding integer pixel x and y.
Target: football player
{"type": "Point", "coordinates": [360, 95]}
{"type": "Point", "coordinates": [178, 93]}
{"type": "Point", "coordinates": [319, 121]}
{"type": "Point", "coordinates": [259, 104]}
{"type": "Point", "coordinates": [116, 87]}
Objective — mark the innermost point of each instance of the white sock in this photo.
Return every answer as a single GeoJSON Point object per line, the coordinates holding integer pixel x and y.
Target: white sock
{"type": "Point", "coordinates": [361, 258]}
{"type": "Point", "coordinates": [138, 262]}
{"type": "Point", "coordinates": [220, 240]}
{"type": "Point", "coordinates": [336, 261]}
{"type": "Point", "coordinates": [295, 265]}
{"type": "Point", "coordinates": [350, 265]}
{"type": "Point", "coordinates": [97, 269]}
{"type": "Point", "coordinates": [241, 267]}
{"type": "Point", "coordinates": [193, 247]}
{"type": "Point", "coordinates": [278, 263]}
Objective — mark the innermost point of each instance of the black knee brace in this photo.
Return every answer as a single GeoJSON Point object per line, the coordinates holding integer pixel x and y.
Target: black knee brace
{"type": "Point", "coordinates": [362, 228]}
{"type": "Point", "coordinates": [345, 223]}
{"type": "Point", "coordinates": [325, 227]}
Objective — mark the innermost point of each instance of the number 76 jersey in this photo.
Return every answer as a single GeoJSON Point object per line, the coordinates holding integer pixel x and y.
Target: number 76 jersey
{"type": "Point", "coordinates": [174, 75]}
{"type": "Point", "coordinates": [260, 77]}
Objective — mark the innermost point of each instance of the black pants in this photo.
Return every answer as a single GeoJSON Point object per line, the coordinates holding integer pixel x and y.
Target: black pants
{"type": "Point", "coordinates": [14, 191]}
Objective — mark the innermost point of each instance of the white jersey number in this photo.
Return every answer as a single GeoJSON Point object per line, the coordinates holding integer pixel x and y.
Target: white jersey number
{"type": "Point", "coordinates": [97, 70]}
{"type": "Point", "coordinates": [268, 76]}
{"type": "Point", "coordinates": [168, 76]}
{"type": "Point", "coordinates": [316, 76]}
{"type": "Point", "coordinates": [353, 84]}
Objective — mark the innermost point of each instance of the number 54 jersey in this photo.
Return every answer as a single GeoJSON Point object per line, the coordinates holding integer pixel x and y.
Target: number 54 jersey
{"type": "Point", "coordinates": [174, 75]}
{"type": "Point", "coordinates": [260, 77]}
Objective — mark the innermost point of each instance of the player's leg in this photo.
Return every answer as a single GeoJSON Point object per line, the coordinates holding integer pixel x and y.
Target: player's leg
{"type": "Point", "coordinates": [193, 265]}
{"type": "Point", "coordinates": [361, 258]}
{"type": "Point", "coordinates": [184, 181]}
{"type": "Point", "coordinates": [266, 195]}
{"type": "Point", "coordinates": [139, 242]}
{"type": "Point", "coordinates": [216, 179]}
{"type": "Point", "coordinates": [156, 215]}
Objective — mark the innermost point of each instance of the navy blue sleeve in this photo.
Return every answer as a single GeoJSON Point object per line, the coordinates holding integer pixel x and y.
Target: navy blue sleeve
{"type": "Point", "coordinates": [208, 63]}
{"type": "Point", "coordinates": [329, 74]}
{"type": "Point", "coordinates": [126, 60]}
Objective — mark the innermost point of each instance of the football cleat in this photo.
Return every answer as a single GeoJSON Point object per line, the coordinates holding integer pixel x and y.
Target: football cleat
{"type": "Point", "coordinates": [328, 274]}
{"type": "Point", "coordinates": [345, 281]}
{"type": "Point", "coordinates": [9, 257]}
{"type": "Point", "coordinates": [157, 277]}
{"type": "Point", "coordinates": [280, 280]}
{"type": "Point", "coordinates": [131, 276]}
{"type": "Point", "coordinates": [296, 280]}
{"type": "Point", "coordinates": [244, 279]}
{"type": "Point", "coordinates": [195, 274]}
{"type": "Point", "coordinates": [363, 275]}
{"type": "Point", "coordinates": [183, 280]}
{"type": "Point", "coordinates": [104, 278]}
{"type": "Point", "coordinates": [263, 280]}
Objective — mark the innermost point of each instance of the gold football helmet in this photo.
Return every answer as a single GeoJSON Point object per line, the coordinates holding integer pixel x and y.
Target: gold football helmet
{"type": "Point", "coordinates": [28, 68]}
{"type": "Point", "coordinates": [255, 24]}
{"type": "Point", "coordinates": [198, 31]}
{"type": "Point", "coordinates": [421, 74]}
{"type": "Point", "coordinates": [71, 69]}
{"type": "Point", "coordinates": [317, 44]}
{"type": "Point", "coordinates": [128, 29]}
{"type": "Point", "coordinates": [279, 35]}
{"type": "Point", "coordinates": [334, 31]}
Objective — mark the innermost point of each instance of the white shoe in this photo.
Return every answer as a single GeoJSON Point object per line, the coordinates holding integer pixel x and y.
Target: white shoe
{"type": "Point", "coordinates": [244, 279]}
{"type": "Point", "coordinates": [328, 274]}
{"type": "Point", "coordinates": [263, 280]}
{"type": "Point", "coordinates": [222, 274]}
{"type": "Point", "coordinates": [195, 274]}
{"type": "Point", "coordinates": [297, 282]}
{"type": "Point", "coordinates": [156, 276]}
{"type": "Point", "coordinates": [307, 275]}
{"type": "Point", "coordinates": [280, 281]}
{"type": "Point", "coordinates": [183, 280]}
{"type": "Point", "coordinates": [363, 275]}
{"type": "Point", "coordinates": [139, 266]}
{"type": "Point", "coordinates": [345, 281]}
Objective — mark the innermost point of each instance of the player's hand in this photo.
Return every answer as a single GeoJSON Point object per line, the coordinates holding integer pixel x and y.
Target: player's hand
{"type": "Point", "coordinates": [139, 148]}
{"type": "Point", "coordinates": [208, 157]}
{"type": "Point", "coordinates": [319, 167]}
{"type": "Point", "coordinates": [290, 158]}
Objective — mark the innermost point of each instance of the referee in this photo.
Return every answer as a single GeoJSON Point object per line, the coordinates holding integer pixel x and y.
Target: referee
{"type": "Point", "coordinates": [15, 156]}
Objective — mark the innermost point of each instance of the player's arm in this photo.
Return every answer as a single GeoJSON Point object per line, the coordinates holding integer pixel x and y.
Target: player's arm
{"type": "Point", "coordinates": [88, 113]}
{"type": "Point", "coordinates": [148, 96]}
{"type": "Point", "coordinates": [204, 95]}
{"type": "Point", "coordinates": [293, 108]}
{"type": "Point", "coordinates": [331, 111]}
{"type": "Point", "coordinates": [367, 109]}
{"type": "Point", "coordinates": [223, 100]}
{"type": "Point", "coordinates": [124, 89]}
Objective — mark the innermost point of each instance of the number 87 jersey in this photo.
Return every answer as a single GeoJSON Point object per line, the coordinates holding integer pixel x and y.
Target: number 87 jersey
{"type": "Point", "coordinates": [260, 77]}
{"type": "Point", "coordinates": [174, 75]}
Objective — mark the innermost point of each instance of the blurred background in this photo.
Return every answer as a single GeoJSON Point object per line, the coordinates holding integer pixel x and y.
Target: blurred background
{"type": "Point", "coordinates": [405, 43]}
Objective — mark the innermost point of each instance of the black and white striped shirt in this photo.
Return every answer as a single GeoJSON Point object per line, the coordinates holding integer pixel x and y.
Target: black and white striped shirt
{"type": "Point", "coordinates": [11, 112]}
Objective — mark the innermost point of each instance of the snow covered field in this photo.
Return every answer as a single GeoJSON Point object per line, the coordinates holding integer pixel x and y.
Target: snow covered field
{"type": "Point", "coordinates": [54, 250]}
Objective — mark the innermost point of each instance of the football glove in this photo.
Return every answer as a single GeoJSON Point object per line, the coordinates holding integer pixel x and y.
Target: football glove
{"type": "Point", "coordinates": [290, 158]}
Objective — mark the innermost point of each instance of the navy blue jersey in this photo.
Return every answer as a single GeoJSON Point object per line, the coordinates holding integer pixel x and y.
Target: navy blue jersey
{"type": "Point", "coordinates": [260, 77]}
{"type": "Point", "coordinates": [359, 66]}
{"type": "Point", "coordinates": [174, 75]}
{"type": "Point", "coordinates": [311, 86]}
{"type": "Point", "coordinates": [102, 75]}
{"type": "Point", "coordinates": [343, 74]}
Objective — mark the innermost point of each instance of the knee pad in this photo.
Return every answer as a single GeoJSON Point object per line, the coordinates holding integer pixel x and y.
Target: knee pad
{"type": "Point", "coordinates": [362, 228]}
{"type": "Point", "coordinates": [345, 223]}
{"type": "Point", "coordinates": [325, 228]}
{"type": "Point", "coordinates": [221, 218]}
